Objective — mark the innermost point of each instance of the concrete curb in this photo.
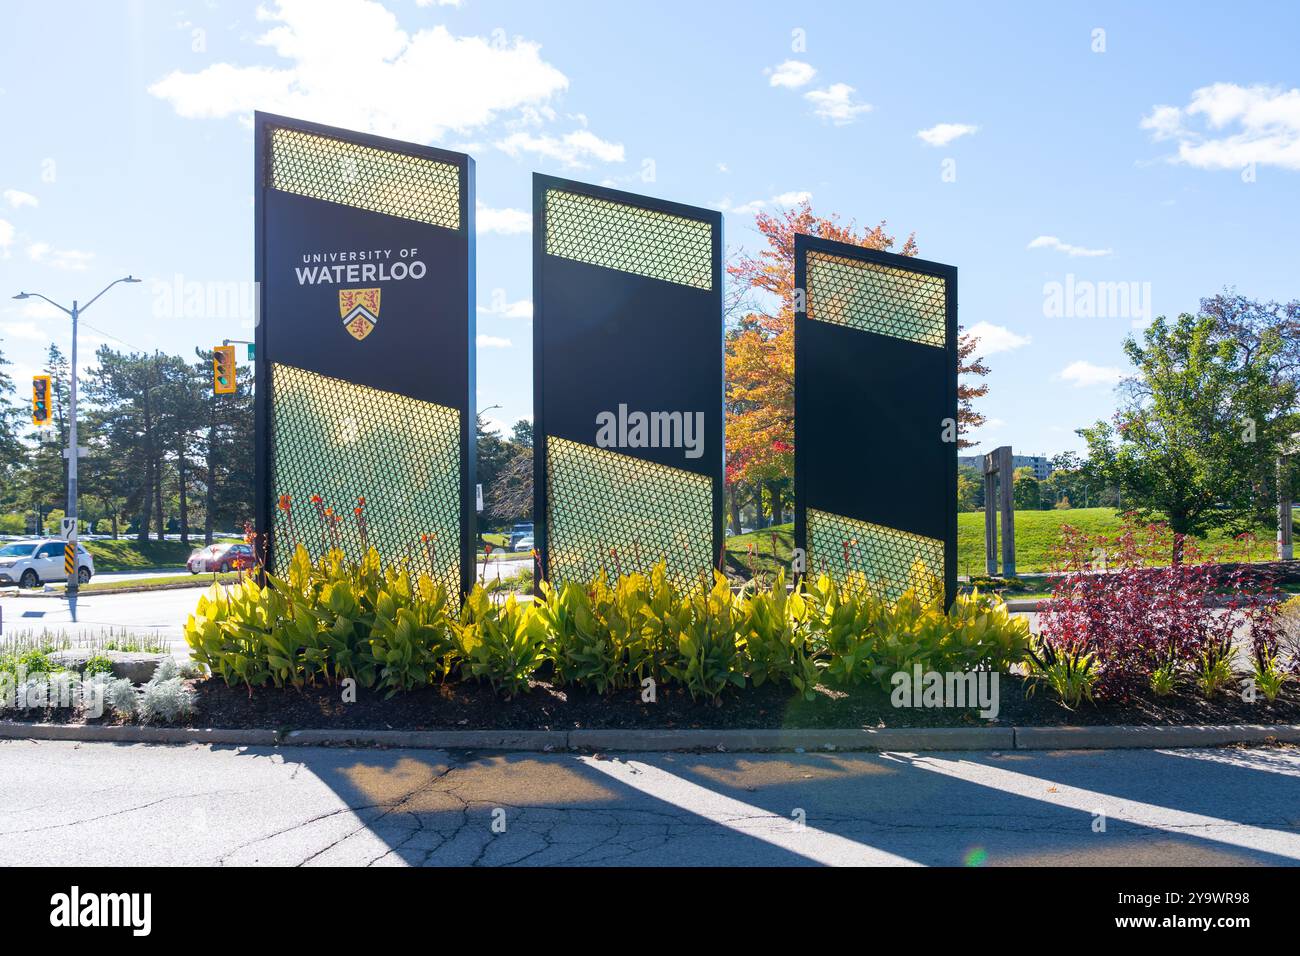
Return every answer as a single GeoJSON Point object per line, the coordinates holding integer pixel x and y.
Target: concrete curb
{"type": "Point", "coordinates": [130, 734]}
{"type": "Point", "coordinates": [1118, 737]}
{"type": "Point", "coordinates": [535, 740]}
{"type": "Point", "coordinates": [735, 741]}
{"type": "Point", "coordinates": [182, 585]}
{"type": "Point", "coordinates": [899, 738]}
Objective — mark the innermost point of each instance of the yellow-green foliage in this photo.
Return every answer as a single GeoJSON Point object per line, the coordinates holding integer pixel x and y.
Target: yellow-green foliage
{"type": "Point", "coordinates": [867, 636]}
{"type": "Point", "coordinates": [334, 619]}
{"type": "Point", "coordinates": [502, 644]}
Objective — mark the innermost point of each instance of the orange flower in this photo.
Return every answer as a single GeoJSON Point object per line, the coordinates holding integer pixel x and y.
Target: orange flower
{"type": "Point", "coordinates": [361, 502]}
{"type": "Point", "coordinates": [424, 538]}
{"type": "Point", "coordinates": [315, 499]}
{"type": "Point", "coordinates": [284, 503]}
{"type": "Point", "coordinates": [357, 511]}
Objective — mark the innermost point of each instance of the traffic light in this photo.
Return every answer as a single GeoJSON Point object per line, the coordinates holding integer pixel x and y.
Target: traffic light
{"type": "Point", "coordinates": [41, 411]}
{"type": "Point", "coordinates": [223, 370]}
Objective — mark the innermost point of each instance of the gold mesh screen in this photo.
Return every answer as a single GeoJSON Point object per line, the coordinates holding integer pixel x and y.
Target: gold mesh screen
{"type": "Point", "coordinates": [891, 560]}
{"type": "Point", "coordinates": [365, 177]}
{"type": "Point", "coordinates": [343, 442]}
{"type": "Point", "coordinates": [876, 298]}
{"type": "Point", "coordinates": [628, 238]}
{"type": "Point", "coordinates": [612, 511]}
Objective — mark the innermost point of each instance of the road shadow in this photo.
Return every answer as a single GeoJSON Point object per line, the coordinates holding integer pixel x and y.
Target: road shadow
{"type": "Point", "coordinates": [455, 809]}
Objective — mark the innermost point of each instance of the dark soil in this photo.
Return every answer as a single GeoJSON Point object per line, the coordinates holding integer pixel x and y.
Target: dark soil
{"type": "Point", "coordinates": [473, 706]}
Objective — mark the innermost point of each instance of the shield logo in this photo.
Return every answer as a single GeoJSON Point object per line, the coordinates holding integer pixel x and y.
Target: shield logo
{"type": "Point", "coordinates": [360, 311]}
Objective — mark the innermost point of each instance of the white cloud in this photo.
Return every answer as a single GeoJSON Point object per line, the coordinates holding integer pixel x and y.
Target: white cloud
{"type": "Point", "coordinates": [25, 330]}
{"type": "Point", "coordinates": [835, 104]}
{"type": "Point", "coordinates": [39, 309]}
{"type": "Point", "coordinates": [505, 309]}
{"type": "Point", "coordinates": [791, 74]}
{"type": "Point", "coordinates": [504, 222]}
{"type": "Point", "coordinates": [996, 338]}
{"type": "Point", "coordinates": [441, 3]}
{"type": "Point", "coordinates": [1085, 375]}
{"type": "Point", "coordinates": [944, 133]}
{"type": "Point", "coordinates": [492, 342]}
{"type": "Point", "coordinates": [1052, 242]}
{"type": "Point", "coordinates": [722, 168]}
{"type": "Point", "coordinates": [71, 260]}
{"type": "Point", "coordinates": [1164, 122]}
{"type": "Point", "coordinates": [351, 64]}
{"type": "Point", "coordinates": [1228, 126]}
{"type": "Point", "coordinates": [782, 201]}
{"type": "Point", "coordinates": [16, 199]}
{"type": "Point", "coordinates": [572, 149]}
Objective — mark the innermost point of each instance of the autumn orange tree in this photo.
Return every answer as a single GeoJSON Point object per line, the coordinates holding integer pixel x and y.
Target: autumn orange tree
{"type": "Point", "coordinates": [760, 352]}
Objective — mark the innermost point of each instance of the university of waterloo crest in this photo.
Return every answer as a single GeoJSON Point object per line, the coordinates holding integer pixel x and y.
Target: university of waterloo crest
{"type": "Point", "coordinates": [360, 311]}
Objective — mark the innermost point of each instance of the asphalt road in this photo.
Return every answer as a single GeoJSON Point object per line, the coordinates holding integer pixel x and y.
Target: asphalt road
{"type": "Point", "coordinates": [125, 805]}
{"type": "Point", "coordinates": [159, 614]}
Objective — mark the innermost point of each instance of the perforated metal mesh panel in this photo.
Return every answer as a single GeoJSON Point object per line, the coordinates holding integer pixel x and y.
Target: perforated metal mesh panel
{"type": "Point", "coordinates": [876, 298]}
{"type": "Point", "coordinates": [891, 560]}
{"type": "Point", "coordinates": [380, 180]}
{"type": "Point", "coordinates": [629, 238]}
{"type": "Point", "coordinates": [343, 441]}
{"type": "Point", "coordinates": [611, 511]}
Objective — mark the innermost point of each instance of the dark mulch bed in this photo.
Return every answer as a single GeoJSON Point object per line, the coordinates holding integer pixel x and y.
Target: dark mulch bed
{"type": "Point", "coordinates": [473, 706]}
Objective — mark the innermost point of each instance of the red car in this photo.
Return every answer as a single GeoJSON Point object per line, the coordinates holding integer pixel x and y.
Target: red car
{"type": "Point", "coordinates": [221, 557]}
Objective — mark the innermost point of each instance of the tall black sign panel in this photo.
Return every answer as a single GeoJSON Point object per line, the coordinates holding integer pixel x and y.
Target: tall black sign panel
{"type": "Point", "coordinates": [627, 382]}
{"type": "Point", "coordinates": [875, 417]}
{"type": "Point", "coordinates": [365, 348]}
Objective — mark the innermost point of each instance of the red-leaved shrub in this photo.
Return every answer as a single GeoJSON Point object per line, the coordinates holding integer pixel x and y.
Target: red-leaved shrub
{"type": "Point", "coordinates": [1122, 598]}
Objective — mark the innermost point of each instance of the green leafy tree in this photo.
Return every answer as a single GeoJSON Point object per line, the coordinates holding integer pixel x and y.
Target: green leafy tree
{"type": "Point", "coordinates": [1025, 490]}
{"type": "Point", "coordinates": [1200, 424]}
{"type": "Point", "coordinates": [970, 489]}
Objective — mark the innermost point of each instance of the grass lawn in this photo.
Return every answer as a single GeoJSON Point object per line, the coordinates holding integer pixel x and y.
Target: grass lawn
{"type": "Point", "coordinates": [128, 554]}
{"type": "Point", "coordinates": [191, 580]}
{"type": "Point", "coordinates": [1036, 532]}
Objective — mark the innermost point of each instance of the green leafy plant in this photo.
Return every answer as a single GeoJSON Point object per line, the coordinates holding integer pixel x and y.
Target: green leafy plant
{"type": "Point", "coordinates": [335, 618]}
{"type": "Point", "coordinates": [98, 664]}
{"type": "Point", "coordinates": [412, 639]}
{"type": "Point", "coordinates": [1270, 678]}
{"type": "Point", "coordinates": [1213, 669]}
{"type": "Point", "coordinates": [1070, 671]}
{"type": "Point", "coordinates": [502, 644]}
{"type": "Point", "coordinates": [578, 639]}
{"type": "Point", "coordinates": [1163, 679]}
{"type": "Point", "coordinates": [775, 626]}
{"type": "Point", "coordinates": [710, 656]}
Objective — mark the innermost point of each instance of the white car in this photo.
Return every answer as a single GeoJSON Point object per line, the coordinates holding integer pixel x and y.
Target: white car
{"type": "Point", "coordinates": [32, 563]}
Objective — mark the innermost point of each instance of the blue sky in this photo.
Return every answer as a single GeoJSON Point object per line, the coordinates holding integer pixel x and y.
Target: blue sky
{"type": "Point", "coordinates": [1015, 140]}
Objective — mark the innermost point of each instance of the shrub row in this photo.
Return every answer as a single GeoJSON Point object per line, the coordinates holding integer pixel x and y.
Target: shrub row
{"type": "Point", "coordinates": [333, 619]}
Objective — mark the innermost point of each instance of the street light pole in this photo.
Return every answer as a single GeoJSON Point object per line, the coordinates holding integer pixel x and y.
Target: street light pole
{"type": "Point", "coordinates": [71, 514]}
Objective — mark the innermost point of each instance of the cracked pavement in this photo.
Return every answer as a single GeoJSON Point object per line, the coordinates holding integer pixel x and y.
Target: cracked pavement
{"type": "Point", "coordinates": [116, 804]}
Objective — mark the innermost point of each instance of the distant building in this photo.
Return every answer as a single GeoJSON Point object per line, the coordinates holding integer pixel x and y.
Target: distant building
{"type": "Point", "coordinates": [1040, 463]}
